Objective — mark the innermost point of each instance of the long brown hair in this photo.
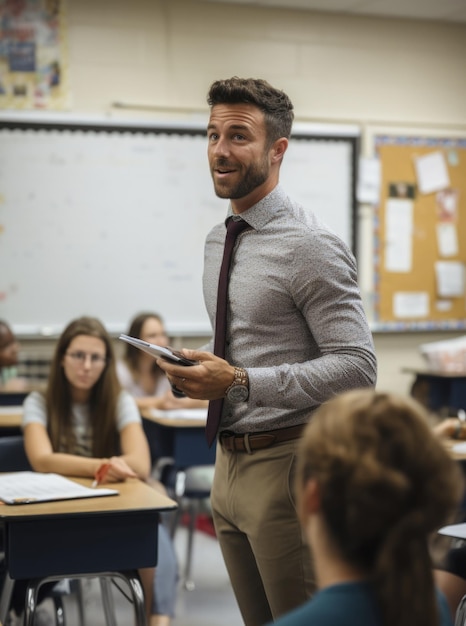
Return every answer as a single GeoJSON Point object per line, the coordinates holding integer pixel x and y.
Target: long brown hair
{"type": "Point", "coordinates": [102, 401]}
{"type": "Point", "coordinates": [386, 483]}
{"type": "Point", "coordinates": [133, 354]}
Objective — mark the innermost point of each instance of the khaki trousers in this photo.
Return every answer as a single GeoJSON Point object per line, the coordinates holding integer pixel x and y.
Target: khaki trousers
{"type": "Point", "coordinates": [268, 562]}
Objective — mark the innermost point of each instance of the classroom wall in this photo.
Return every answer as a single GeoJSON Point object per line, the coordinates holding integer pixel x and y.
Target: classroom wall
{"type": "Point", "coordinates": [158, 58]}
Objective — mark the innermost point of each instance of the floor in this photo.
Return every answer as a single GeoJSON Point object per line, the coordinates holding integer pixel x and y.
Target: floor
{"type": "Point", "coordinates": [210, 603]}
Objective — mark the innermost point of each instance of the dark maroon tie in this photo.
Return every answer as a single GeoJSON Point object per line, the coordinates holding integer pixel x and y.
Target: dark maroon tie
{"type": "Point", "coordinates": [234, 228]}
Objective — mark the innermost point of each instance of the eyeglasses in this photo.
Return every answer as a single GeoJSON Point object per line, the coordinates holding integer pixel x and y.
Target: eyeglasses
{"type": "Point", "coordinates": [81, 357]}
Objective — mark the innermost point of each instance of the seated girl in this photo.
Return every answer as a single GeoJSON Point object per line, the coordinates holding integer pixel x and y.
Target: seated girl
{"type": "Point", "coordinates": [139, 373]}
{"type": "Point", "coordinates": [83, 420]}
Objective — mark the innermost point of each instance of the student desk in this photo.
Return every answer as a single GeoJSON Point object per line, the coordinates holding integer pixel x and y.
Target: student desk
{"type": "Point", "coordinates": [178, 434]}
{"type": "Point", "coordinates": [442, 389]}
{"type": "Point", "coordinates": [12, 398]}
{"type": "Point", "coordinates": [88, 536]}
{"type": "Point", "coordinates": [10, 421]}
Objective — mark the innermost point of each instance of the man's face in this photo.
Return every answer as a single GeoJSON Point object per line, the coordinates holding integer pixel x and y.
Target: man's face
{"type": "Point", "coordinates": [238, 158]}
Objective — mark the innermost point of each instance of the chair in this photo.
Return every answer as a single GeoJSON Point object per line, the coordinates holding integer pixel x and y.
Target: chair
{"type": "Point", "coordinates": [13, 459]}
{"type": "Point", "coordinates": [12, 455]}
{"type": "Point", "coordinates": [12, 398]}
{"type": "Point", "coordinates": [460, 619]}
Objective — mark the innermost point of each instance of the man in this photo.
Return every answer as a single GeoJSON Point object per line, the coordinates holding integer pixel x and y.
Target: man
{"type": "Point", "coordinates": [296, 336]}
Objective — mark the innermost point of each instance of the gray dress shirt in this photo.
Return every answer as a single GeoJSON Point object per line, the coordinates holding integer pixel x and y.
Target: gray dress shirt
{"type": "Point", "coordinates": [296, 321]}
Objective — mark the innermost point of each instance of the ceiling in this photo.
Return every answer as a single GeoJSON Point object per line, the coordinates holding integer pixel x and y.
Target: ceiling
{"type": "Point", "coordinates": [438, 10]}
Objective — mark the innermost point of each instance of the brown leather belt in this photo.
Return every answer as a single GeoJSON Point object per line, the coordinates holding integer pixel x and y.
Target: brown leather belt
{"type": "Point", "coordinates": [248, 442]}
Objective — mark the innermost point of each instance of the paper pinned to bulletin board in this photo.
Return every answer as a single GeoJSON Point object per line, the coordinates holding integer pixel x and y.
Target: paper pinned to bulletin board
{"type": "Point", "coordinates": [420, 233]}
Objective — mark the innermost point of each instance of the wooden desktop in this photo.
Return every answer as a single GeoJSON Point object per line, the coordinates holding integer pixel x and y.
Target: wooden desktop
{"type": "Point", "coordinates": [72, 538]}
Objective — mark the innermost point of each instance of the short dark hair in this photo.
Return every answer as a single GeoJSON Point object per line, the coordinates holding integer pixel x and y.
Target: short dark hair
{"type": "Point", "coordinates": [275, 104]}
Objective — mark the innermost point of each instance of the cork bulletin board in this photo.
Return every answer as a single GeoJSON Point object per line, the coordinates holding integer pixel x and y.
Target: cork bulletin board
{"type": "Point", "coordinates": [420, 233]}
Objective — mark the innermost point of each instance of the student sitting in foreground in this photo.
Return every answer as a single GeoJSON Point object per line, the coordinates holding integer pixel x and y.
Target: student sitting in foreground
{"type": "Point", "coordinates": [372, 482]}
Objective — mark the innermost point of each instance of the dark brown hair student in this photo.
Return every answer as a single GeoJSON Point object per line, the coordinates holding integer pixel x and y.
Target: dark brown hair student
{"type": "Point", "coordinates": [103, 398]}
{"type": "Point", "coordinates": [384, 483]}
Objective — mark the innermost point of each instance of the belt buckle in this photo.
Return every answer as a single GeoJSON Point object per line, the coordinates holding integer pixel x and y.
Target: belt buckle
{"type": "Point", "coordinates": [226, 434]}
{"type": "Point", "coordinates": [227, 439]}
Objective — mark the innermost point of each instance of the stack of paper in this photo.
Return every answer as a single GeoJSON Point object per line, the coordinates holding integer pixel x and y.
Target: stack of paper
{"type": "Point", "coordinates": [30, 487]}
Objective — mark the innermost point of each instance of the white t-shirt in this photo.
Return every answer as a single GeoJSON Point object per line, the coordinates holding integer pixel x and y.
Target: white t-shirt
{"type": "Point", "coordinates": [134, 388]}
{"type": "Point", "coordinates": [35, 412]}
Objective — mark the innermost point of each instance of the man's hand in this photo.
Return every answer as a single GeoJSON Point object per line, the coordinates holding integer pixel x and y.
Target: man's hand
{"type": "Point", "coordinates": [206, 381]}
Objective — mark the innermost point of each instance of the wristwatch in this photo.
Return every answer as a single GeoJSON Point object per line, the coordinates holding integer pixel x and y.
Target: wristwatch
{"type": "Point", "coordinates": [238, 391]}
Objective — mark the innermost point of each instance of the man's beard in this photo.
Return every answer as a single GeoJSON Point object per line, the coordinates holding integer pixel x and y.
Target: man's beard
{"type": "Point", "coordinates": [254, 176]}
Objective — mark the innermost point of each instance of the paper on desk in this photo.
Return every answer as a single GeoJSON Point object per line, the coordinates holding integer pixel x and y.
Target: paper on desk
{"type": "Point", "coordinates": [11, 410]}
{"type": "Point", "coordinates": [31, 487]}
{"type": "Point", "coordinates": [454, 530]}
{"type": "Point", "coordinates": [195, 414]}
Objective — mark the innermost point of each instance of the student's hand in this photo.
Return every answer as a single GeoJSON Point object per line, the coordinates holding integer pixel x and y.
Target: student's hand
{"type": "Point", "coordinates": [118, 470]}
{"type": "Point", "coordinates": [451, 427]}
{"type": "Point", "coordinates": [206, 381]}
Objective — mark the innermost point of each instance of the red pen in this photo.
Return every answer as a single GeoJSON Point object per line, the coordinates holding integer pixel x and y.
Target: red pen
{"type": "Point", "coordinates": [100, 474]}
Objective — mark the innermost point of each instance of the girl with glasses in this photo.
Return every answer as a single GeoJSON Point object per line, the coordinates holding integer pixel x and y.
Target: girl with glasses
{"type": "Point", "coordinates": [85, 420]}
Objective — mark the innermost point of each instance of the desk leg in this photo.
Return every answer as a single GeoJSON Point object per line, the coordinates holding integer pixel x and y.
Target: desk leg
{"type": "Point", "coordinates": [5, 597]}
{"type": "Point", "coordinates": [137, 592]}
{"type": "Point", "coordinates": [32, 591]}
{"type": "Point", "coordinates": [131, 578]}
{"type": "Point", "coordinates": [107, 601]}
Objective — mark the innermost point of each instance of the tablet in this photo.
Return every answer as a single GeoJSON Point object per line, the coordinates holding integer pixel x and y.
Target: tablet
{"type": "Point", "coordinates": [155, 351]}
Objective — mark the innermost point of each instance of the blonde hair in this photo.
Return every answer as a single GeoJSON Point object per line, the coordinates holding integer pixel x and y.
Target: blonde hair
{"type": "Point", "coordinates": [385, 483]}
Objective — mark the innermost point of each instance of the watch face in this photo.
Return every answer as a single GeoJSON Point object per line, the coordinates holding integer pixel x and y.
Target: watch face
{"type": "Point", "coordinates": [238, 393]}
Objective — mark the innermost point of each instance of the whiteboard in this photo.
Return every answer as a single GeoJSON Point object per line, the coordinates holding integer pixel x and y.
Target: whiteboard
{"type": "Point", "coordinates": [108, 220]}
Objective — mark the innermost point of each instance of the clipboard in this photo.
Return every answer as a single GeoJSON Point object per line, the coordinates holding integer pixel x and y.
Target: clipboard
{"type": "Point", "coordinates": [35, 487]}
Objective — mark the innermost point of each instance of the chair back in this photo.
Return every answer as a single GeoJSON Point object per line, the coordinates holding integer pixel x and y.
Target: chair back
{"type": "Point", "coordinates": [12, 455]}
{"type": "Point", "coordinates": [12, 398]}
{"type": "Point", "coordinates": [460, 619]}
{"type": "Point", "coordinates": [191, 449]}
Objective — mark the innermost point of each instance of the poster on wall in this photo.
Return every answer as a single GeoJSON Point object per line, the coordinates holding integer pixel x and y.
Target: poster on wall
{"type": "Point", "coordinates": [33, 68]}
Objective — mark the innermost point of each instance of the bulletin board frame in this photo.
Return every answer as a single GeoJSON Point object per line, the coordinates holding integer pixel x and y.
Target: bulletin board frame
{"type": "Point", "coordinates": [397, 155]}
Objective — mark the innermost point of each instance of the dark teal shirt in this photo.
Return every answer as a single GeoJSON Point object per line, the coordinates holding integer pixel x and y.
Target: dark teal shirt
{"type": "Point", "coordinates": [346, 604]}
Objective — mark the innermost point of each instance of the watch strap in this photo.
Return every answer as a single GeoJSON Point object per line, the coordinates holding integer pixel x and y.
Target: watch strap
{"type": "Point", "coordinates": [241, 378]}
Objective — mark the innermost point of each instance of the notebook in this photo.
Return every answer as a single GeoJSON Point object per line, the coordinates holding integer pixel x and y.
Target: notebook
{"type": "Point", "coordinates": [31, 487]}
